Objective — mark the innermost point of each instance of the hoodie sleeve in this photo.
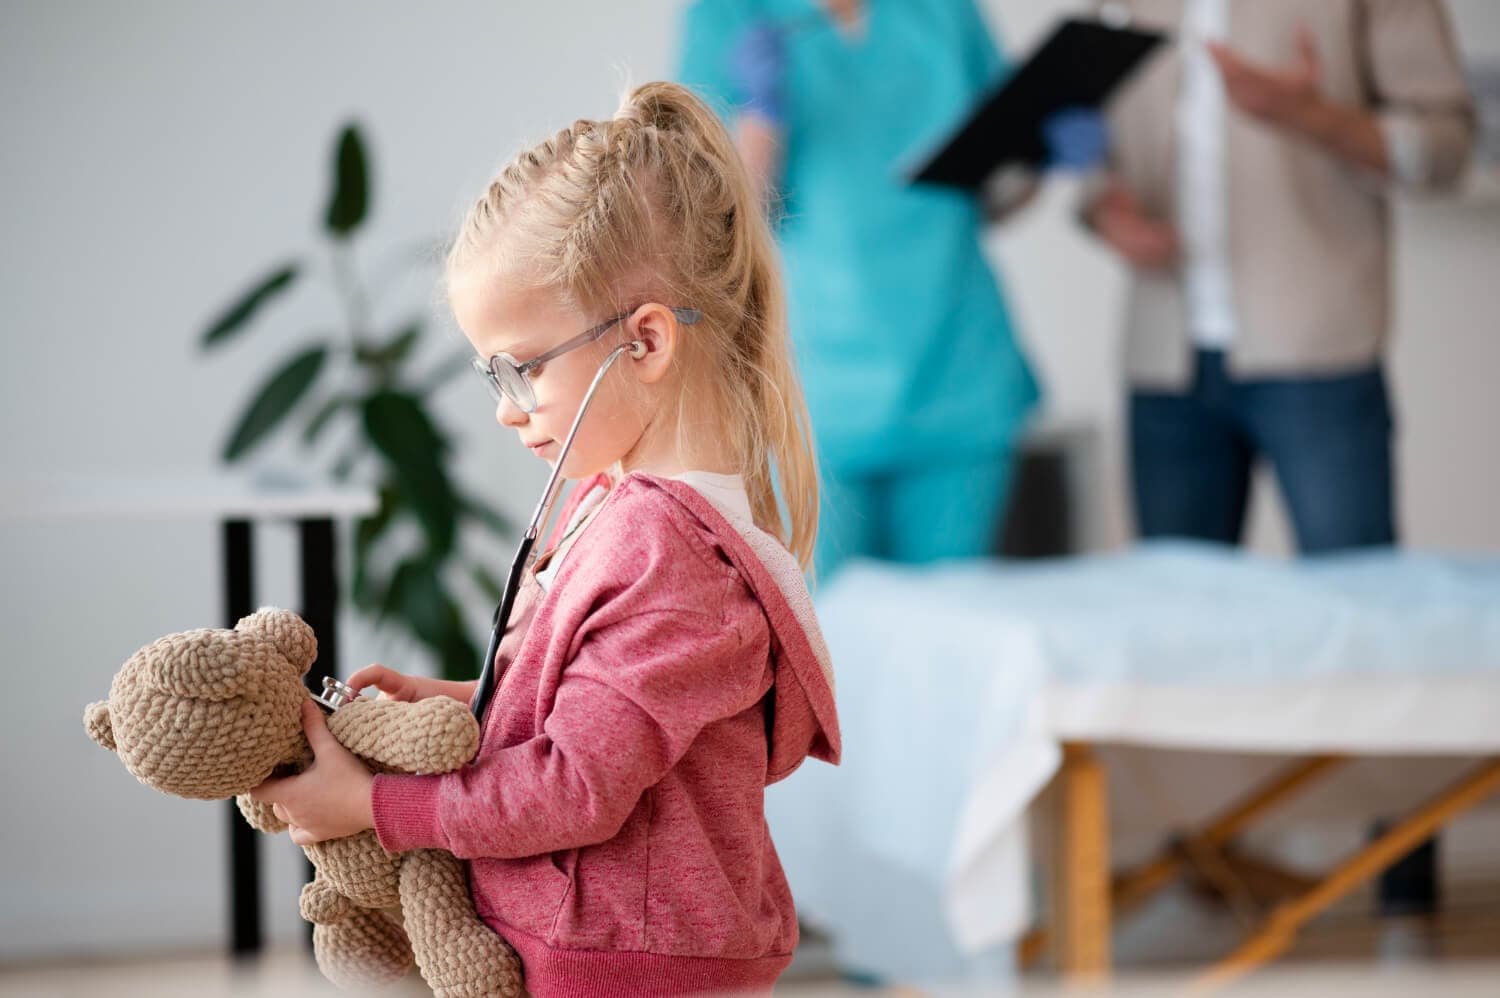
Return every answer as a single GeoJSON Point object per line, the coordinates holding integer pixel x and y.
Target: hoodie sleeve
{"type": "Point", "coordinates": [633, 698]}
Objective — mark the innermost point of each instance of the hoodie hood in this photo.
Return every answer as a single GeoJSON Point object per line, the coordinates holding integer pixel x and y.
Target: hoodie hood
{"type": "Point", "coordinates": [803, 719]}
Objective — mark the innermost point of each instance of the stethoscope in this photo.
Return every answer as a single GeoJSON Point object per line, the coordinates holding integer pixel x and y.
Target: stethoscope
{"type": "Point", "coordinates": [336, 694]}
{"type": "Point", "coordinates": [525, 550]}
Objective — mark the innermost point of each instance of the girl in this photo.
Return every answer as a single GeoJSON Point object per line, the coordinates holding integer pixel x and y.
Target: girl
{"type": "Point", "coordinates": [662, 664]}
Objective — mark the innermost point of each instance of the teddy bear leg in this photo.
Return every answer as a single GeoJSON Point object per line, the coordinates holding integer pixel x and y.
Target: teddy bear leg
{"type": "Point", "coordinates": [363, 951]}
{"type": "Point", "coordinates": [258, 815]}
{"type": "Point", "coordinates": [459, 956]}
{"type": "Point", "coordinates": [321, 904]}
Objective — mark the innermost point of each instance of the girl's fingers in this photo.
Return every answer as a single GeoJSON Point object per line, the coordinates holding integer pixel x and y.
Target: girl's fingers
{"type": "Point", "coordinates": [316, 728]}
{"type": "Point", "coordinates": [376, 675]}
{"type": "Point", "coordinates": [367, 675]}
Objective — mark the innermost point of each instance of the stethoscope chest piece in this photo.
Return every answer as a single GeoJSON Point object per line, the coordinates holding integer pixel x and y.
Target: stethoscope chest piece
{"type": "Point", "coordinates": [335, 694]}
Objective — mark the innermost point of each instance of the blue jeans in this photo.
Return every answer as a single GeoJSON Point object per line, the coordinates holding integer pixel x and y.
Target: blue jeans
{"type": "Point", "coordinates": [1328, 439]}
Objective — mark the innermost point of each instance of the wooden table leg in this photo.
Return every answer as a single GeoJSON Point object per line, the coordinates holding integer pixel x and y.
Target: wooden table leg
{"type": "Point", "coordinates": [1279, 931]}
{"type": "Point", "coordinates": [1135, 886]}
{"type": "Point", "coordinates": [1080, 866]}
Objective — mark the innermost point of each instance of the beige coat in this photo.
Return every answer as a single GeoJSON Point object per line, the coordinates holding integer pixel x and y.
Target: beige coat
{"type": "Point", "coordinates": [1309, 234]}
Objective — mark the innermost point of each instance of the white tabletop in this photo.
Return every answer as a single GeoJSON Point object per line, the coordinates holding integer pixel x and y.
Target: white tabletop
{"type": "Point", "coordinates": [222, 495]}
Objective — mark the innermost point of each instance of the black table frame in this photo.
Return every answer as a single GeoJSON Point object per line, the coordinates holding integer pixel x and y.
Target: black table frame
{"type": "Point", "coordinates": [317, 542]}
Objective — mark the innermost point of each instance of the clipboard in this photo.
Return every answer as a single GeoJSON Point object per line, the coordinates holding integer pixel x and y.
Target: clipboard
{"type": "Point", "coordinates": [1080, 64]}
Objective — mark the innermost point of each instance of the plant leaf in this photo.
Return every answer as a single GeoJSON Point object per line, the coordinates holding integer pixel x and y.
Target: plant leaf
{"type": "Point", "coordinates": [249, 303]}
{"type": "Point", "coordinates": [368, 592]}
{"type": "Point", "coordinates": [487, 583]}
{"type": "Point", "coordinates": [450, 368]}
{"type": "Point", "coordinates": [274, 400]}
{"type": "Point", "coordinates": [344, 466]}
{"type": "Point", "coordinates": [497, 523]}
{"type": "Point", "coordinates": [320, 420]}
{"type": "Point", "coordinates": [418, 598]}
{"type": "Point", "coordinates": [390, 354]}
{"type": "Point", "coordinates": [400, 429]}
{"type": "Point", "coordinates": [350, 200]}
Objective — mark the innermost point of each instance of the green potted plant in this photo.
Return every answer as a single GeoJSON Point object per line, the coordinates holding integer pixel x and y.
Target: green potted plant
{"type": "Point", "coordinates": [365, 377]}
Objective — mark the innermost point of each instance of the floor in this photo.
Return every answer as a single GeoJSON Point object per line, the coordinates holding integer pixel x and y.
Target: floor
{"type": "Point", "coordinates": [1347, 953]}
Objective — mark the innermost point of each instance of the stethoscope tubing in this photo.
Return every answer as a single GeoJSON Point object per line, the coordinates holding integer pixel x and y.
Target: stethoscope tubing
{"type": "Point", "coordinates": [524, 551]}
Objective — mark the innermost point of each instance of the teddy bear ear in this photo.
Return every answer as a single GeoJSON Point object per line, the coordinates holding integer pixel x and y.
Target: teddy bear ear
{"type": "Point", "coordinates": [288, 632]}
{"type": "Point", "coordinates": [96, 722]}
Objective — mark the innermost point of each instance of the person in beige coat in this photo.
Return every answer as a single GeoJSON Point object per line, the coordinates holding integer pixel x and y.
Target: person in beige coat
{"type": "Point", "coordinates": [1248, 190]}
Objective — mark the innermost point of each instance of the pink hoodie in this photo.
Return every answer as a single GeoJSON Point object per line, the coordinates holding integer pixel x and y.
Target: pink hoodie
{"type": "Point", "coordinates": [614, 815]}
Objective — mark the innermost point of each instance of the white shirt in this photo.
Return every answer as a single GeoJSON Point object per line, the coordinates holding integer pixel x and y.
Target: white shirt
{"type": "Point", "coordinates": [1202, 202]}
{"type": "Point", "coordinates": [726, 492]}
{"type": "Point", "coordinates": [1202, 195]}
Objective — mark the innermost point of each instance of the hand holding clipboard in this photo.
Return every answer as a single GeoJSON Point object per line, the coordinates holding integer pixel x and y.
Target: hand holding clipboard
{"type": "Point", "coordinates": [1079, 66]}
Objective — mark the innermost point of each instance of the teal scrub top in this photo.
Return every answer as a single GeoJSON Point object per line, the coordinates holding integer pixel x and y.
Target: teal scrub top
{"type": "Point", "coordinates": [904, 344]}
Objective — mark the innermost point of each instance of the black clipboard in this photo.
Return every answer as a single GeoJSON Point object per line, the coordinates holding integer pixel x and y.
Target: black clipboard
{"type": "Point", "coordinates": [1079, 65]}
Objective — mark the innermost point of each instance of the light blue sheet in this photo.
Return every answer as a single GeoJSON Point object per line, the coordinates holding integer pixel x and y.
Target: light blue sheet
{"type": "Point", "coordinates": [938, 669]}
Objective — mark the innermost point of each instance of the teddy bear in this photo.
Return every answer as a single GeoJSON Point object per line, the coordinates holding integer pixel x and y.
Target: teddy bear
{"type": "Point", "coordinates": [212, 713]}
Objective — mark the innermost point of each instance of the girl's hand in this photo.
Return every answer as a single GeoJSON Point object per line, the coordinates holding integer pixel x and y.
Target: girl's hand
{"type": "Point", "coordinates": [392, 685]}
{"type": "Point", "coordinates": [328, 800]}
{"type": "Point", "coordinates": [395, 685]}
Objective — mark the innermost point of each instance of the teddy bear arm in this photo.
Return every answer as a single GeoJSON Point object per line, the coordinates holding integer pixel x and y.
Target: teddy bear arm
{"type": "Point", "coordinates": [436, 735]}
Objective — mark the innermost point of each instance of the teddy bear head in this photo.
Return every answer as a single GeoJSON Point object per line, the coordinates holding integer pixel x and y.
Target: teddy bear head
{"type": "Point", "coordinates": [210, 713]}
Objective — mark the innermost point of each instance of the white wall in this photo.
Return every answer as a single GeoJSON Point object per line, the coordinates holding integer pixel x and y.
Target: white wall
{"type": "Point", "coordinates": [157, 156]}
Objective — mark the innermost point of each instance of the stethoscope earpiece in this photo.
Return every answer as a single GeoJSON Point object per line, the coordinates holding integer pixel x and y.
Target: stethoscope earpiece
{"type": "Point", "coordinates": [637, 349]}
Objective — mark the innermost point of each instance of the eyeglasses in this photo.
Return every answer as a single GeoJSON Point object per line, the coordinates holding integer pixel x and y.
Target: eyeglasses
{"type": "Point", "coordinates": [507, 379]}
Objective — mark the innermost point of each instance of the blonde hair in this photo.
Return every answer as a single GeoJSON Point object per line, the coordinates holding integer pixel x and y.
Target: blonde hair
{"type": "Point", "coordinates": [656, 202]}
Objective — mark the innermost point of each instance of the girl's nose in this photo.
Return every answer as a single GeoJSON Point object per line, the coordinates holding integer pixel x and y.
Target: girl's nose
{"type": "Point", "coordinates": [507, 413]}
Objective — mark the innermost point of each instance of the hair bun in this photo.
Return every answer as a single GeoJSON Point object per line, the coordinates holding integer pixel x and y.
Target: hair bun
{"type": "Point", "coordinates": [669, 107]}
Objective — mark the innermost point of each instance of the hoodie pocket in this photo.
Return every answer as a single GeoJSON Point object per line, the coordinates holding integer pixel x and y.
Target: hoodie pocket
{"type": "Point", "coordinates": [526, 894]}
{"type": "Point", "coordinates": [565, 866]}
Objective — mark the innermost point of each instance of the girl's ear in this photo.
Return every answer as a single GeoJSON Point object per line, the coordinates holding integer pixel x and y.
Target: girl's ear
{"type": "Point", "coordinates": [655, 327]}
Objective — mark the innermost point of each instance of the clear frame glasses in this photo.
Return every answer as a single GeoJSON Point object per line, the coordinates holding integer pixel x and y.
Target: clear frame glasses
{"type": "Point", "coordinates": [507, 378]}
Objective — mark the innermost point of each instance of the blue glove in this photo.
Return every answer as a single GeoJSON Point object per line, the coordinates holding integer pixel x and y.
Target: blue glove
{"type": "Point", "coordinates": [757, 65]}
{"type": "Point", "coordinates": [1076, 137]}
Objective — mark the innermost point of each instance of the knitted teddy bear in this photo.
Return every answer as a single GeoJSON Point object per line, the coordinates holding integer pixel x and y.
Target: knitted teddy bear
{"type": "Point", "coordinates": [210, 714]}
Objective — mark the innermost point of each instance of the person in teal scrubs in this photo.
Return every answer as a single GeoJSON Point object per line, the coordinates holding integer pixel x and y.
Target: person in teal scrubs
{"type": "Point", "coordinates": [917, 388]}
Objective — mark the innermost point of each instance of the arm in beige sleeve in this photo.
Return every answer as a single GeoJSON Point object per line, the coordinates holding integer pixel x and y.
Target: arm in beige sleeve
{"type": "Point", "coordinates": [1421, 102]}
